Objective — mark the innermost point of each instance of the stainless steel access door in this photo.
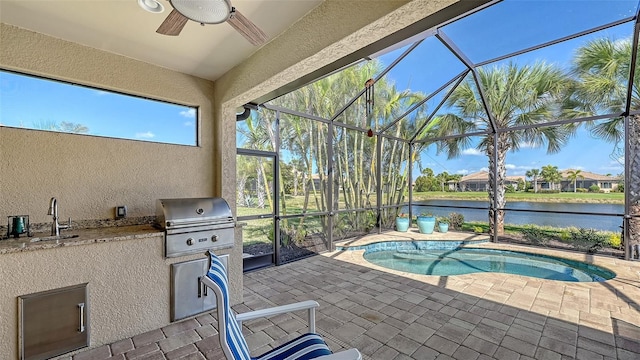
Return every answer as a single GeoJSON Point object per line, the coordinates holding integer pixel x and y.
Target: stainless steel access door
{"type": "Point", "coordinates": [53, 322]}
{"type": "Point", "coordinates": [188, 296]}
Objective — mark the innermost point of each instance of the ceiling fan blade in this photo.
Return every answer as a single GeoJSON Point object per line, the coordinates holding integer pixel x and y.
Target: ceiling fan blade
{"type": "Point", "coordinates": [173, 24]}
{"type": "Point", "coordinates": [247, 28]}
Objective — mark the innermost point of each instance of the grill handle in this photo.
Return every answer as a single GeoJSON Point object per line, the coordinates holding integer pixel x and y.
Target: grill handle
{"type": "Point", "coordinates": [182, 223]}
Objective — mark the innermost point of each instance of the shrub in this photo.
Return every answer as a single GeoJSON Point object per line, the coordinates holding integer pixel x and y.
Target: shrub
{"type": "Point", "coordinates": [535, 235]}
{"type": "Point", "coordinates": [510, 188]}
{"type": "Point", "coordinates": [478, 229]}
{"type": "Point", "coordinates": [582, 190]}
{"type": "Point", "coordinates": [588, 240]}
{"type": "Point", "coordinates": [594, 188]}
{"type": "Point", "coordinates": [615, 241]}
{"type": "Point", "coordinates": [456, 220]}
{"type": "Point", "coordinates": [548, 191]}
{"type": "Point", "coordinates": [565, 235]}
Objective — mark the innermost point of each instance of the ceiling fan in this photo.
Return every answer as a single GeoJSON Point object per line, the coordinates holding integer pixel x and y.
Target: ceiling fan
{"type": "Point", "coordinates": [210, 12]}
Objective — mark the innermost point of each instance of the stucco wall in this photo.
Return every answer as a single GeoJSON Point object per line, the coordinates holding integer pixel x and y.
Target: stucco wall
{"type": "Point", "coordinates": [91, 175]}
{"type": "Point", "coordinates": [331, 31]}
{"type": "Point", "coordinates": [128, 286]}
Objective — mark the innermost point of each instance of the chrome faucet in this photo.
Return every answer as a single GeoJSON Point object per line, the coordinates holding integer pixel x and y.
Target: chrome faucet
{"type": "Point", "coordinates": [55, 226]}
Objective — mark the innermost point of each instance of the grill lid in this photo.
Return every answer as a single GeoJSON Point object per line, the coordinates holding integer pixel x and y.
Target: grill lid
{"type": "Point", "coordinates": [173, 213]}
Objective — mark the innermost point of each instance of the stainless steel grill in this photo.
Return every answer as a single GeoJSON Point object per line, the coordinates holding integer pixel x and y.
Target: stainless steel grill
{"type": "Point", "coordinates": [193, 225]}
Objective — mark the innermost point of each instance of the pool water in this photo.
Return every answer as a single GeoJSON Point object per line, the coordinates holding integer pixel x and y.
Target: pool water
{"type": "Point", "coordinates": [458, 261]}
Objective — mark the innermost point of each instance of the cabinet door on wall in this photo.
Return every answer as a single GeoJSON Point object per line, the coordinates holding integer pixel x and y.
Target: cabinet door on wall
{"type": "Point", "coordinates": [188, 296]}
{"type": "Point", "coordinates": [53, 322]}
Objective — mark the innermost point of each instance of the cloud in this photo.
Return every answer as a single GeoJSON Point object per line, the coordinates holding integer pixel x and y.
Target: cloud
{"type": "Point", "coordinates": [484, 169]}
{"type": "Point", "coordinates": [518, 167]}
{"type": "Point", "coordinates": [145, 135]}
{"type": "Point", "coordinates": [462, 172]}
{"type": "Point", "coordinates": [472, 151]}
{"type": "Point", "coordinates": [191, 113]}
{"type": "Point", "coordinates": [101, 92]}
{"type": "Point", "coordinates": [188, 123]}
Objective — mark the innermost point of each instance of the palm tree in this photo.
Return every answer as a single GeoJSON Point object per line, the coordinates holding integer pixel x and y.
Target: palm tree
{"type": "Point", "coordinates": [573, 176]}
{"type": "Point", "coordinates": [533, 174]}
{"type": "Point", "coordinates": [64, 126]}
{"type": "Point", "coordinates": [516, 95]}
{"type": "Point", "coordinates": [551, 175]}
{"type": "Point", "coordinates": [602, 68]}
{"type": "Point", "coordinates": [354, 153]}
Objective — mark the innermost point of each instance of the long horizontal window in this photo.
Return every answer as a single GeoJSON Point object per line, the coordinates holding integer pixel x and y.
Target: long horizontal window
{"type": "Point", "coordinates": [31, 102]}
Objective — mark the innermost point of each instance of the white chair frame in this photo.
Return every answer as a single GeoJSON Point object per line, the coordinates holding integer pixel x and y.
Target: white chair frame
{"type": "Point", "coordinates": [310, 305]}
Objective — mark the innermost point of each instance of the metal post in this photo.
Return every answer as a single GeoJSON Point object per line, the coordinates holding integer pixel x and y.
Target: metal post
{"type": "Point", "coordinates": [330, 176]}
{"type": "Point", "coordinates": [626, 238]}
{"type": "Point", "coordinates": [410, 170]}
{"type": "Point", "coordinates": [276, 203]}
{"type": "Point", "coordinates": [379, 181]}
{"type": "Point", "coordinates": [494, 236]}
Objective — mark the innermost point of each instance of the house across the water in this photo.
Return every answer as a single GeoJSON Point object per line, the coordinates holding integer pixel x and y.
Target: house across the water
{"type": "Point", "coordinates": [479, 181]}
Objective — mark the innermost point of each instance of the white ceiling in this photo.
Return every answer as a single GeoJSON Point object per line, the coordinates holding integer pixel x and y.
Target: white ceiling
{"type": "Point", "coordinates": [122, 27]}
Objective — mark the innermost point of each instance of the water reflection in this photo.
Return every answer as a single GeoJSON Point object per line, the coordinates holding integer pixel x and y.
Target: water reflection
{"type": "Point", "coordinates": [608, 223]}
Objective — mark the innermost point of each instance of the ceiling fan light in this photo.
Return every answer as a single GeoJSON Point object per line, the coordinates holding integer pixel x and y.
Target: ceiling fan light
{"type": "Point", "coordinates": [151, 6]}
{"type": "Point", "coordinates": [204, 11]}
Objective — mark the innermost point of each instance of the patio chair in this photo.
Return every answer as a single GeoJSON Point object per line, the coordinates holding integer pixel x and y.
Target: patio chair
{"type": "Point", "coordinates": [234, 346]}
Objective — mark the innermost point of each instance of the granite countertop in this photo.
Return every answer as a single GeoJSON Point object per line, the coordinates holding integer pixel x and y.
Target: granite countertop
{"type": "Point", "coordinates": [74, 237]}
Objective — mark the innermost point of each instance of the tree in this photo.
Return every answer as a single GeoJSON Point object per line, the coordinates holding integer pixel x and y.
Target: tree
{"type": "Point", "coordinates": [551, 175]}
{"type": "Point", "coordinates": [573, 176]}
{"type": "Point", "coordinates": [442, 178]}
{"type": "Point", "coordinates": [259, 135]}
{"type": "Point", "coordinates": [422, 184]}
{"type": "Point", "coordinates": [63, 126]}
{"type": "Point", "coordinates": [533, 174]}
{"type": "Point", "coordinates": [354, 153]}
{"type": "Point", "coordinates": [516, 95]}
{"type": "Point", "coordinates": [602, 69]}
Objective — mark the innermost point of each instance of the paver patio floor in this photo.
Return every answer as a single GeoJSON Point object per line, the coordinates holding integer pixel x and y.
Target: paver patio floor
{"type": "Point", "coordinates": [388, 314]}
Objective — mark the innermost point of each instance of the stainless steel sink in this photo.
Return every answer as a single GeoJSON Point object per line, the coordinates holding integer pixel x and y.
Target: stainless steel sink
{"type": "Point", "coordinates": [47, 238]}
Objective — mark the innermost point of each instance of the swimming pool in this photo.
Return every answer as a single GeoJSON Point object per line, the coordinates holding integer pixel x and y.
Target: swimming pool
{"type": "Point", "coordinates": [428, 258]}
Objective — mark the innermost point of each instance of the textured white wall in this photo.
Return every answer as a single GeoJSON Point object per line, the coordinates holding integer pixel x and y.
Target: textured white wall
{"type": "Point", "coordinates": [90, 175]}
{"type": "Point", "coordinates": [128, 286]}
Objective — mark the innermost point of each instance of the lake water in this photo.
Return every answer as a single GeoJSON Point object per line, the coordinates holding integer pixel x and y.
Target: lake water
{"type": "Point", "coordinates": [610, 223]}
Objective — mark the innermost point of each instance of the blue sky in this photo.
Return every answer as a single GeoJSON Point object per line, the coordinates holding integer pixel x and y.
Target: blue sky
{"type": "Point", "coordinates": [494, 32]}
{"type": "Point", "coordinates": [31, 102]}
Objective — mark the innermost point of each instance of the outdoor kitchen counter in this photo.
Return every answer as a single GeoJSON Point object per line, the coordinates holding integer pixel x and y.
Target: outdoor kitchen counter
{"type": "Point", "coordinates": [85, 236]}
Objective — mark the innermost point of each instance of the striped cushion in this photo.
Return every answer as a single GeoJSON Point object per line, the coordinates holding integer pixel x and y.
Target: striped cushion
{"type": "Point", "coordinates": [308, 346]}
{"type": "Point", "coordinates": [234, 337]}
